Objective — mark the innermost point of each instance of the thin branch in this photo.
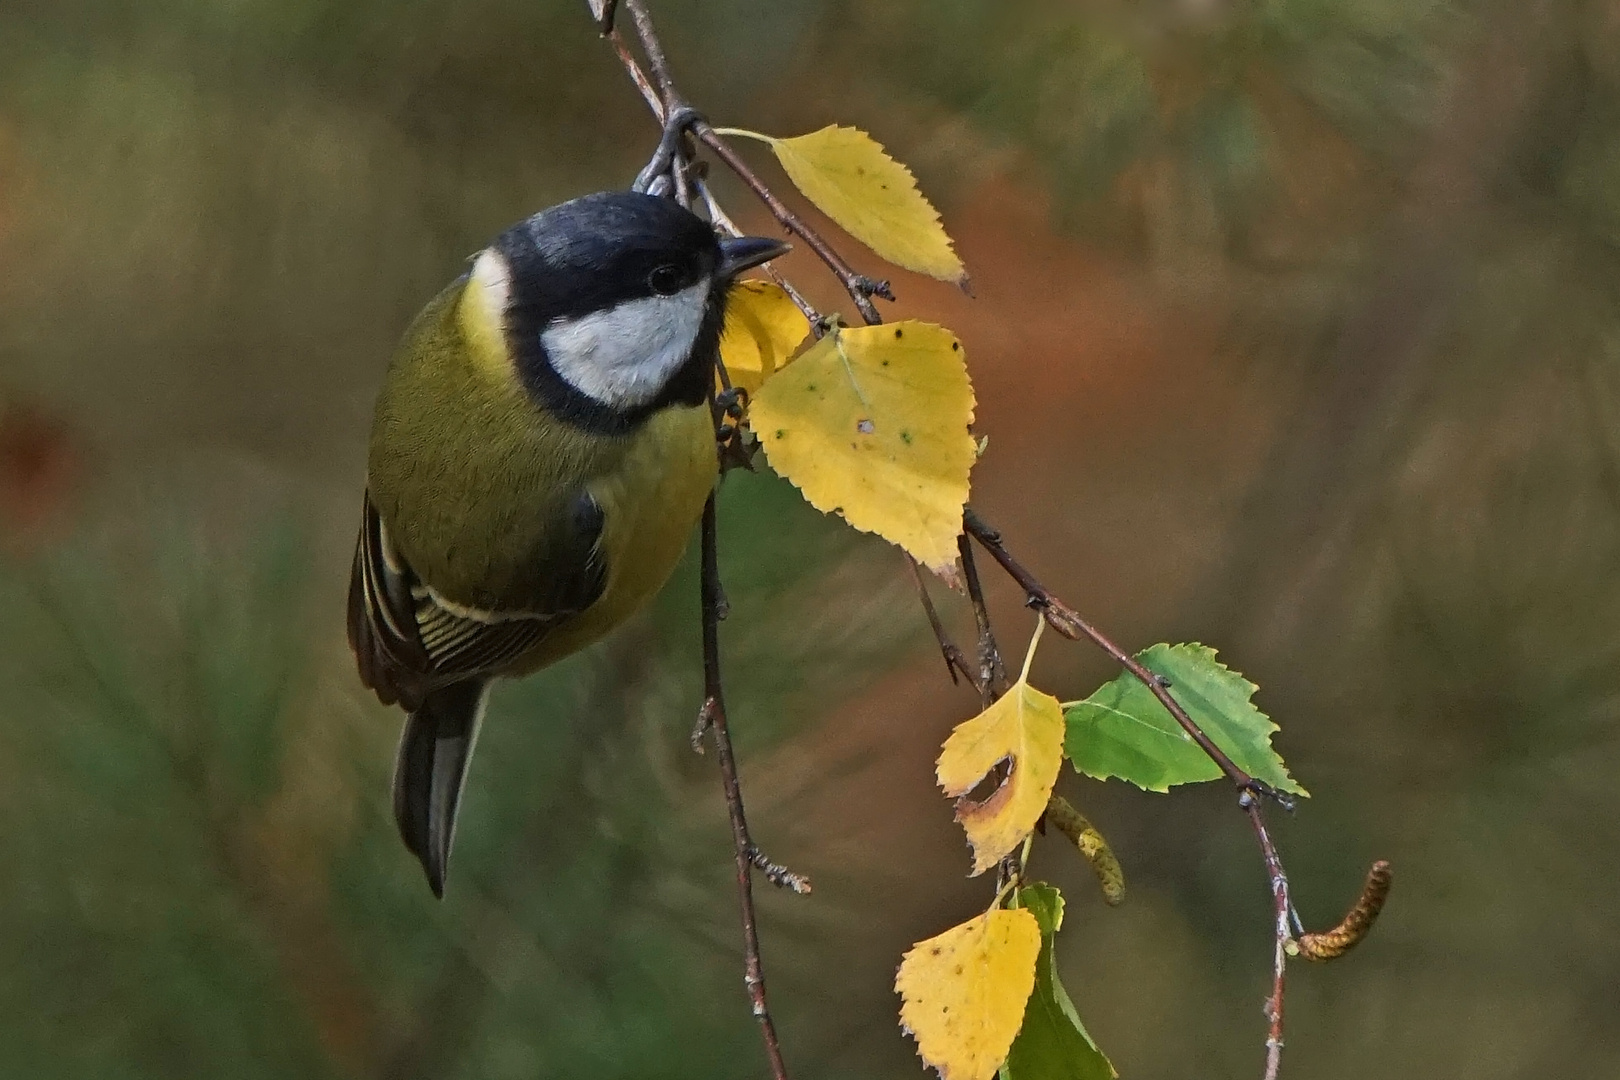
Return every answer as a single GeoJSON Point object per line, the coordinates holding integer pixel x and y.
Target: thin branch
{"type": "Point", "coordinates": [667, 105]}
{"type": "Point", "coordinates": [655, 54]}
{"type": "Point", "coordinates": [718, 216]}
{"type": "Point", "coordinates": [955, 661]}
{"type": "Point", "coordinates": [861, 288]}
{"type": "Point", "coordinates": [649, 93]}
{"type": "Point", "coordinates": [1279, 956]}
{"type": "Point", "coordinates": [659, 91]}
{"type": "Point", "coordinates": [992, 680]}
{"type": "Point", "coordinates": [818, 325]}
{"type": "Point", "coordinates": [1066, 621]}
{"type": "Point", "coordinates": [659, 97]}
{"type": "Point", "coordinates": [714, 708]}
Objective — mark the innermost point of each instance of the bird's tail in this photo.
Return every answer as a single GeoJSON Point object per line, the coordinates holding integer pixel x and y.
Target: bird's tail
{"type": "Point", "coordinates": [431, 770]}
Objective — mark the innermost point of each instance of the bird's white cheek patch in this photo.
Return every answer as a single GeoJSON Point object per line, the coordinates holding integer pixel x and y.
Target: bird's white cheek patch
{"type": "Point", "coordinates": [624, 356]}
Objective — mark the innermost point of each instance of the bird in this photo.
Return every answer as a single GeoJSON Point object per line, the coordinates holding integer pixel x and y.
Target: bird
{"type": "Point", "coordinates": [541, 449]}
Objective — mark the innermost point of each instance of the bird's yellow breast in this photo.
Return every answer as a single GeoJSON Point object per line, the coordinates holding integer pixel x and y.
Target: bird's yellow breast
{"type": "Point", "coordinates": [651, 503]}
{"type": "Point", "coordinates": [472, 479]}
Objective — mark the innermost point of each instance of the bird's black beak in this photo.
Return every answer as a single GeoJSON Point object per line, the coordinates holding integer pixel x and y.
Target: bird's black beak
{"type": "Point", "coordinates": [738, 253]}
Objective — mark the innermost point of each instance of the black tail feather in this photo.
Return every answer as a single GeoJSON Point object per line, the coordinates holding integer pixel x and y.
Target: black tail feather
{"type": "Point", "coordinates": [431, 769]}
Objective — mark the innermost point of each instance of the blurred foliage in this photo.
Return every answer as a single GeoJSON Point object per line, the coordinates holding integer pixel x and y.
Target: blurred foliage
{"type": "Point", "coordinates": [199, 840]}
{"type": "Point", "coordinates": [1183, 121]}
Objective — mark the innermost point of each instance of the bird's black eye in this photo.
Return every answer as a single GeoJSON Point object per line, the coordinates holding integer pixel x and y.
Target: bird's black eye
{"type": "Point", "coordinates": [667, 280]}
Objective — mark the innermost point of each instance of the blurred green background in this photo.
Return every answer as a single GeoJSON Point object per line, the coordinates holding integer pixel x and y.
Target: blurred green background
{"type": "Point", "coordinates": [1296, 333]}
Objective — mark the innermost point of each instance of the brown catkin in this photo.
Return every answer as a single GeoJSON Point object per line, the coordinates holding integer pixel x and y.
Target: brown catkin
{"type": "Point", "coordinates": [1342, 938]}
{"type": "Point", "coordinates": [1063, 817]}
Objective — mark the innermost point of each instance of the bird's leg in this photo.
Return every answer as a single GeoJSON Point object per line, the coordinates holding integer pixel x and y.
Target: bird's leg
{"type": "Point", "coordinates": [663, 163]}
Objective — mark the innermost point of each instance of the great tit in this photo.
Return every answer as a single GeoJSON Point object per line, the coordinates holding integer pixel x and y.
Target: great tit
{"type": "Point", "coordinates": [540, 454]}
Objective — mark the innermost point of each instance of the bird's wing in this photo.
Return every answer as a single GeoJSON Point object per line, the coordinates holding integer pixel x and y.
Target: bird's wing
{"type": "Point", "coordinates": [408, 640]}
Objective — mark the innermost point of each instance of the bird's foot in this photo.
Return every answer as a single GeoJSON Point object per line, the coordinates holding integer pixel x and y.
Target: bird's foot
{"type": "Point", "coordinates": [732, 401]}
{"type": "Point", "coordinates": [664, 161]}
{"type": "Point", "coordinates": [734, 442]}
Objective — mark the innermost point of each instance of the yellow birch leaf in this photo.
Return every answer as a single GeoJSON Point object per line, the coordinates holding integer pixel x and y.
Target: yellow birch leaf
{"type": "Point", "coordinates": [962, 994]}
{"type": "Point", "coordinates": [871, 196]}
{"type": "Point", "coordinates": [1025, 729]}
{"type": "Point", "coordinates": [871, 423]}
{"type": "Point", "coordinates": [763, 328]}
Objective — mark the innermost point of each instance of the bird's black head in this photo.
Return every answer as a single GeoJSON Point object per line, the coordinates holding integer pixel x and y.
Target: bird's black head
{"type": "Point", "coordinates": [612, 304]}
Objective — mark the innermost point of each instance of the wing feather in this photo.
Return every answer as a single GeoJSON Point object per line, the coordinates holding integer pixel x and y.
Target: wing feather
{"type": "Point", "coordinates": [466, 645]}
{"type": "Point", "coordinates": [408, 642]}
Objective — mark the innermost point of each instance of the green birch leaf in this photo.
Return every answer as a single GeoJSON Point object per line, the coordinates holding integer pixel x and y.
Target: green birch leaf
{"type": "Point", "coordinates": [1053, 1044]}
{"type": "Point", "coordinates": [1122, 730]}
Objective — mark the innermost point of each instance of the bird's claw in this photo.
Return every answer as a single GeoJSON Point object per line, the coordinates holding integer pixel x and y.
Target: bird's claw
{"type": "Point", "coordinates": [669, 147]}
{"type": "Point", "coordinates": [732, 401]}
